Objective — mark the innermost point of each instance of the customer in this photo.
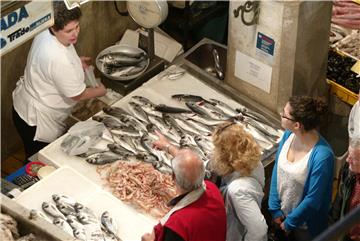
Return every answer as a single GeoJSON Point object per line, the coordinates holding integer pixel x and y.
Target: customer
{"type": "Point", "coordinates": [237, 160]}
{"type": "Point", "coordinates": [198, 213]}
{"type": "Point", "coordinates": [53, 81]}
{"type": "Point", "coordinates": [354, 119]}
{"type": "Point", "coordinates": [348, 194]}
{"type": "Point", "coordinates": [301, 184]}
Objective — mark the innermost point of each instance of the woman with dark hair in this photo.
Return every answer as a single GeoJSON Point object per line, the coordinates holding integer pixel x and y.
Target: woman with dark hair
{"type": "Point", "coordinates": [301, 184]}
{"type": "Point", "coordinates": [53, 82]}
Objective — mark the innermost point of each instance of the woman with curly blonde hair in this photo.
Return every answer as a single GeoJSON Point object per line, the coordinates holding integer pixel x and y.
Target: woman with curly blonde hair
{"type": "Point", "coordinates": [236, 158]}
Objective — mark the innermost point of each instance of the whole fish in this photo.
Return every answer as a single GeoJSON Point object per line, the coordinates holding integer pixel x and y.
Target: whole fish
{"type": "Point", "coordinates": [80, 234]}
{"type": "Point", "coordinates": [143, 101]}
{"type": "Point", "coordinates": [65, 208]}
{"type": "Point", "coordinates": [118, 149]}
{"type": "Point", "coordinates": [189, 98]}
{"type": "Point", "coordinates": [119, 59]}
{"type": "Point", "coordinates": [205, 111]}
{"type": "Point", "coordinates": [74, 222]}
{"type": "Point", "coordinates": [51, 209]}
{"type": "Point", "coordinates": [225, 107]}
{"type": "Point", "coordinates": [169, 109]}
{"type": "Point", "coordinates": [63, 225]}
{"type": "Point", "coordinates": [139, 112]}
{"type": "Point", "coordinates": [104, 158]}
{"type": "Point", "coordinates": [128, 130]}
{"type": "Point", "coordinates": [125, 141]}
{"type": "Point", "coordinates": [109, 121]}
{"type": "Point", "coordinates": [124, 71]}
{"type": "Point", "coordinates": [114, 111]}
{"type": "Point", "coordinates": [108, 223]}
{"type": "Point", "coordinates": [63, 199]}
{"type": "Point", "coordinates": [86, 218]}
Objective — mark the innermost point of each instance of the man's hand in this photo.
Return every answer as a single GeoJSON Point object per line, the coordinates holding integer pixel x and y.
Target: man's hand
{"type": "Point", "coordinates": [148, 237]}
{"type": "Point", "coordinates": [161, 142]}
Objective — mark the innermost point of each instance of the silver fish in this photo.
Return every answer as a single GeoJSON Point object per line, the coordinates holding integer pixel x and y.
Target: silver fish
{"type": "Point", "coordinates": [189, 98]}
{"type": "Point", "coordinates": [64, 199]}
{"type": "Point", "coordinates": [74, 222]}
{"type": "Point", "coordinates": [125, 141]}
{"type": "Point", "coordinates": [225, 107]}
{"type": "Point", "coordinates": [139, 112]}
{"type": "Point", "coordinates": [104, 158]}
{"type": "Point", "coordinates": [80, 234]}
{"type": "Point", "coordinates": [143, 101]}
{"type": "Point", "coordinates": [51, 209]}
{"type": "Point", "coordinates": [118, 60]}
{"type": "Point", "coordinates": [86, 218]}
{"type": "Point", "coordinates": [108, 223]}
{"type": "Point", "coordinates": [81, 208]}
{"type": "Point", "coordinates": [63, 225]}
{"type": "Point", "coordinates": [65, 208]}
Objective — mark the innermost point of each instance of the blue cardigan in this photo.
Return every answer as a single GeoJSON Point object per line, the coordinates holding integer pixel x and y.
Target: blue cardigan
{"type": "Point", "coordinates": [314, 206]}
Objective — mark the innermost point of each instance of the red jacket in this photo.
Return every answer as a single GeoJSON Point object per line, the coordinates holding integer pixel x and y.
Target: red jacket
{"type": "Point", "coordinates": [204, 219]}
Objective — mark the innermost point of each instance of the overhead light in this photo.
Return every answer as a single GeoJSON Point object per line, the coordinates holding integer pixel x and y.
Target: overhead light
{"type": "Point", "coordinates": [70, 4]}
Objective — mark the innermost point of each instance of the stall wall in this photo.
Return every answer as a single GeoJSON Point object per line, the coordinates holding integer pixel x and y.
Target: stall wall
{"type": "Point", "coordinates": [101, 26]}
{"type": "Point", "coordinates": [296, 59]}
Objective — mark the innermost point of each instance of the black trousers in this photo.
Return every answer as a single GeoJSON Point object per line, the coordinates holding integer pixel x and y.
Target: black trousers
{"type": "Point", "coordinates": [27, 134]}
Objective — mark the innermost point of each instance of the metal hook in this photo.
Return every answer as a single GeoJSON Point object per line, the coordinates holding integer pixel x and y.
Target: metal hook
{"type": "Point", "coordinates": [248, 7]}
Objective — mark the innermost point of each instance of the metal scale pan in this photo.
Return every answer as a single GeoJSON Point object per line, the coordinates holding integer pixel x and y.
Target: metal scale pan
{"type": "Point", "coordinates": [121, 49]}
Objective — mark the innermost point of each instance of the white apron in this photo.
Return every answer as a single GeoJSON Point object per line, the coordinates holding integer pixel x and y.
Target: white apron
{"type": "Point", "coordinates": [49, 122]}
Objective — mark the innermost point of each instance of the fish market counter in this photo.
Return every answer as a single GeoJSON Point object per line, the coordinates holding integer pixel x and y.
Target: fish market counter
{"type": "Point", "coordinates": [81, 180]}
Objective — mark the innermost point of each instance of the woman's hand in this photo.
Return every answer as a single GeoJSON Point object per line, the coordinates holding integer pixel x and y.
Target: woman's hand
{"type": "Point", "coordinates": [84, 61]}
{"type": "Point", "coordinates": [278, 220]}
{"type": "Point", "coordinates": [162, 142]}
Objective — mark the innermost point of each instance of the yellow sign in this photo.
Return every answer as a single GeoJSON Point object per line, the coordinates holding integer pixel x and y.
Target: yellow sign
{"type": "Point", "coordinates": [356, 67]}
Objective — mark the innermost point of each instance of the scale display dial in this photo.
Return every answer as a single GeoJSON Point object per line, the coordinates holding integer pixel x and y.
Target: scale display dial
{"type": "Point", "coordinates": [148, 14]}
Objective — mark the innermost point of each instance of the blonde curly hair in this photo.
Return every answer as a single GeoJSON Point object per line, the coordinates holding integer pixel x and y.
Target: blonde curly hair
{"type": "Point", "coordinates": [234, 150]}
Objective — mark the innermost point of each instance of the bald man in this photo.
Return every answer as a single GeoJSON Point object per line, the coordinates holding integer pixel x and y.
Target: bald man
{"type": "Point", "coordinates": [198, 213]}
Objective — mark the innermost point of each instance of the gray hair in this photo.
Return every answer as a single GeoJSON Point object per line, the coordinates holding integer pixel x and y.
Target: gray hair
{"type": "Point", "coordinates": [355, 143]}
{"type": "Point", "coordinates": [189, 170]}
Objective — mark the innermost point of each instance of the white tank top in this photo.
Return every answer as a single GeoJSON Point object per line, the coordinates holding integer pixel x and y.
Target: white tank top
{"type": "Point", "coordinates": [291, 177]}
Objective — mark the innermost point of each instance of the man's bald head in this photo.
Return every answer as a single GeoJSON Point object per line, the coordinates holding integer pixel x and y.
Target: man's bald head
{"type": "Point", "coordinates": [189, 170]}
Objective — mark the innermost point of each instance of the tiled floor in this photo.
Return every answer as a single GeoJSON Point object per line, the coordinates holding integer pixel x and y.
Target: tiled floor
{"type": "Point", "coordinates": [13, 163]}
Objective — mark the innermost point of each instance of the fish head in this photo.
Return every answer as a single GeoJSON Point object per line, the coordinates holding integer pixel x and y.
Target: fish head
{"type": "Point", "coordinates": [55, 197]}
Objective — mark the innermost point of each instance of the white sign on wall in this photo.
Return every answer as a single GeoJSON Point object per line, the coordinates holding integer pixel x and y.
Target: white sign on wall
{"type": "Point", "coordinates": [25, 22]}
{"type": "Point", "coordinates": [253, 71]}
